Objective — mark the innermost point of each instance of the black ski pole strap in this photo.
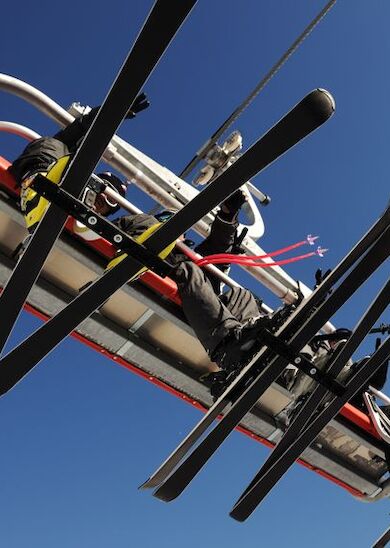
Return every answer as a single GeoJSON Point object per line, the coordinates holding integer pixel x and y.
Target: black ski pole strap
{"type": "Point", "coordinates": [107, 230]}
{"type": "Point", "coordinates": [238, 239]}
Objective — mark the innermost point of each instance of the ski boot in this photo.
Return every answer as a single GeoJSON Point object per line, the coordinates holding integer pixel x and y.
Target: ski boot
{"type": "Point", "coordinates": [235, 352]}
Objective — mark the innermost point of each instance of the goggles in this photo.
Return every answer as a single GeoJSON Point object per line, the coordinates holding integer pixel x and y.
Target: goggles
{"type": "Point", "coordinates": [90, 196]}
{"type": "Point", "coordinates": [108, 199]}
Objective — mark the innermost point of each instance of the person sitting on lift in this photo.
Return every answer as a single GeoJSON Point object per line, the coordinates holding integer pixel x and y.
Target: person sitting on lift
{"type": "Point", "coordinates": [42, 154]}
{"type": "Point", "coordinates": [227, 324]}
{"type": "Point", "coordinates": [224, 323]}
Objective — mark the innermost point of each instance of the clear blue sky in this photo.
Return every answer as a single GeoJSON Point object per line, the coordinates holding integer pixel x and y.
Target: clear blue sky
{"type": "Point", "coordinates": [80, 434]}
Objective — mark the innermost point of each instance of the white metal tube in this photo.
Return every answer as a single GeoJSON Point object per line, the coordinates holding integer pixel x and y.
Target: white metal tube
{"type": "Point", "coordinates": [147, 184]}
{"type": "Point", "coordinates": [263, 198]}
{"type": "Point", "coordinates": [35, 97]}
{"type": "Point", "coordinates": [380, 395]}
{"type": "Point", "coordinates": [18, 129]}
{"type": "Point", "coordinates": [267, 279]}
{"type": "Point", "coordinates": [56, 112]}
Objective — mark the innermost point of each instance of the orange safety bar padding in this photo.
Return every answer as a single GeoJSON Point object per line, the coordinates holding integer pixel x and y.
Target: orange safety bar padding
{"type": "Point", "coordinates": [359, 418]}
{"type": "Point", "coordinates": [6, 179]}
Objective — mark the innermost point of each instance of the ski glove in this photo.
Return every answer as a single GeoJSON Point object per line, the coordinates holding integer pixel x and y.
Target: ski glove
{"type": "Point", "coordinates": [320, 276]}
{"type": "Point", "coordinates": [140, 103]}
{"type": "Point", "coordinates": [72, 134]}
{"type": "Point", "coordinates": [231, 206]}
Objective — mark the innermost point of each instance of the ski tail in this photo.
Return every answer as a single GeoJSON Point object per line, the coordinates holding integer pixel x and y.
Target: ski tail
{"type": "Point", "coordinates": [166, 468]}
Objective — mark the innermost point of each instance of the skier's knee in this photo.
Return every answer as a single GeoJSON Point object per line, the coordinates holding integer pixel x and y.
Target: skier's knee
{"type": "Point", "coordinates": [185, 271]}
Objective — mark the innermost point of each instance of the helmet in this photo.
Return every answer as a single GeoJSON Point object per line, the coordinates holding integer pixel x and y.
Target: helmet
{"type": "Point", "coordinates": [340, 334]}
{"type": "Point", "coordinates": [164, 215]}
{"type": "Point", "coordinates": [116, 184]}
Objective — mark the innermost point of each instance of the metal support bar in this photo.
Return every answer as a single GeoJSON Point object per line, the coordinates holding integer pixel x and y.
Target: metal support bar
{"type": "Point", "coordinates": [19, 129]}
{"type": "Point", "coordinates": [380, 395]}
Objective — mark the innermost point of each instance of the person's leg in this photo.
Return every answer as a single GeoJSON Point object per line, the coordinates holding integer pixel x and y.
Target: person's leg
{"type": "Point", "coordinates": [241, 304]}
{"type": "Point", "coordinates": [208, 316]}
{"type": "Point", "coordinates": [223, 329]}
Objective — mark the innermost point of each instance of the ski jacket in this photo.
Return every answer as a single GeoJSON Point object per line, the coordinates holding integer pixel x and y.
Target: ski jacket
{"type": "Point", "coordinates": [135, 225]}
{"type": "Point", "coordinates": [41, 153]}
{"type": "Point", "coordinates": [220, 240]}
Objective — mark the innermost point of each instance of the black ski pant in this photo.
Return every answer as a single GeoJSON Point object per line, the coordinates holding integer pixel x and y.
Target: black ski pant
{"type": "Point", "coordinates": [212, 317]}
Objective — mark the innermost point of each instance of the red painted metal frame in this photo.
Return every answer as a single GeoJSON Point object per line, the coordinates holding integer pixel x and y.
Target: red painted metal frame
{"type": "Point", "coordinates": [168, 289]}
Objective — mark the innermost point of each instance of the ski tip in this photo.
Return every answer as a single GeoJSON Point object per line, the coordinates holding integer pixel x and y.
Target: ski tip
{"type": "Point", "coordinates": [321, 103]}
{"type": "Point", "coordinates": [165, 495]}
{"type": "Point", "coordinates": [237, 515]}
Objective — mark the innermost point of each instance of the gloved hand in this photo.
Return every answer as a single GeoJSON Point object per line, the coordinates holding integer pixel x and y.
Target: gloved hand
{"type": "Point", "coordinates": [140, 103]}
{"type": "Point", "coordinates": [232, 205]}
{"type": "Point", "coordinates": [72, 134]}
{"type": "Point", "coordinates": [320, 277]}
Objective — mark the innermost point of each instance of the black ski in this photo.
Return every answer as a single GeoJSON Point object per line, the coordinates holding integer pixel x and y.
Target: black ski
{"type": "Point", "coordinates": [382, 540]}
{"type": "Point", "coordinates": [300, 329]}
{"type": "Point", "coordinates": [304, 118]}
{"type": "Point", "coordinates": [259, 490]}
{"type": "Point", "coordinates": [247, 501]}
{"type": "Point", "coordinates": [159, 29]}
